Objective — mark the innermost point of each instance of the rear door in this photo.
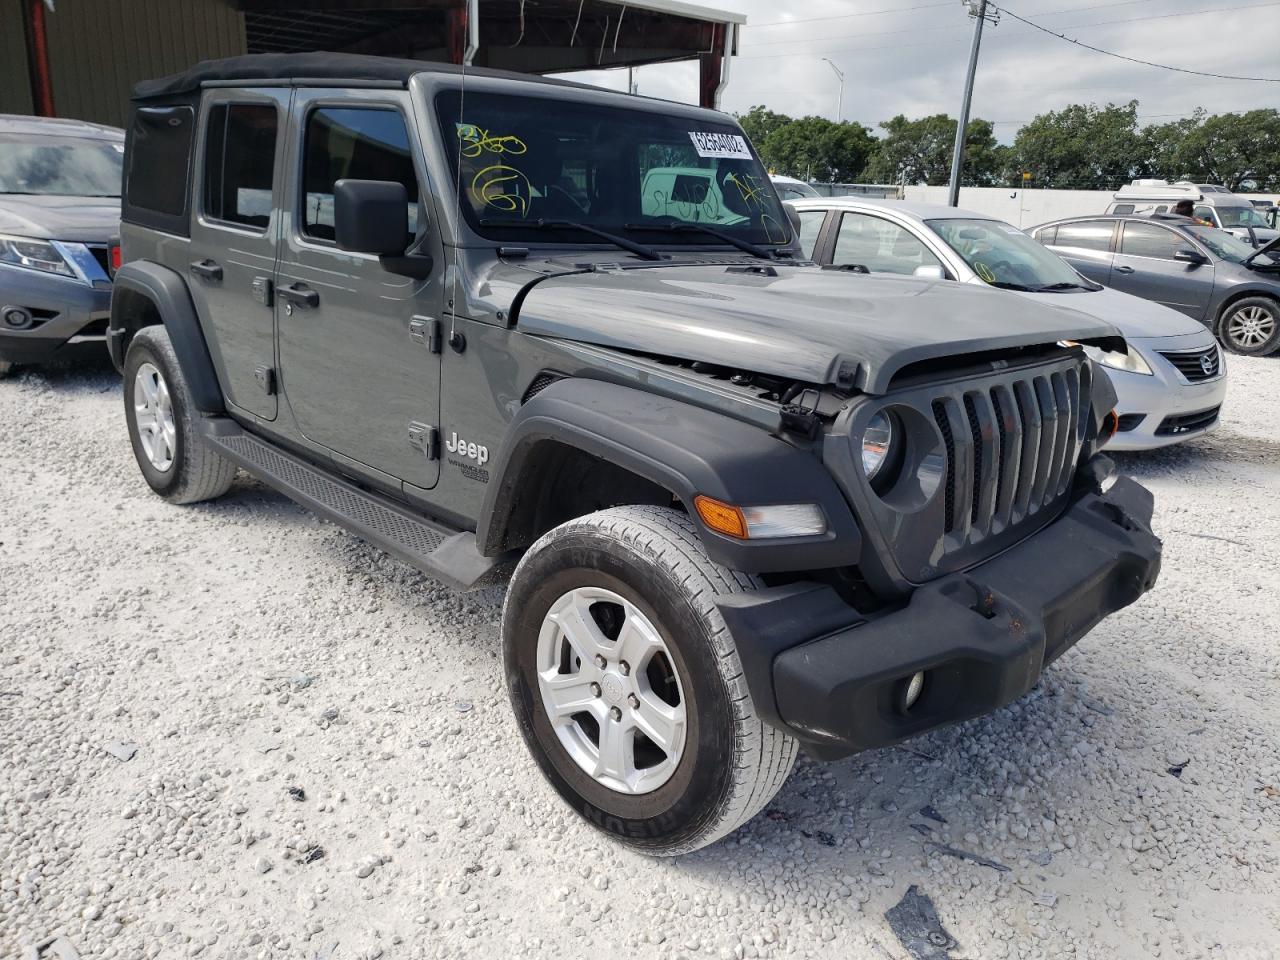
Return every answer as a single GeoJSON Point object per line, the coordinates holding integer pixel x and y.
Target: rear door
{"type": "Point", "coordinates": [234, 231]}
{"type": "Point", "coordinates": [1086, 245]}
{"type": "Point", "coordinates": [1144, 266]}
{"type": "Point", "coordinates": [356, 355]}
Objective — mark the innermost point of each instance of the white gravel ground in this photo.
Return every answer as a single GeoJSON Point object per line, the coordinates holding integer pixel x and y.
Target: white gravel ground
{"type": "Point", "coordinates": [248, 649]}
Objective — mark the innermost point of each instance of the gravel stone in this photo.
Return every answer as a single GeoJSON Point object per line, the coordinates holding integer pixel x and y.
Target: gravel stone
{"type": "Point", "coordinates": [181, 629]}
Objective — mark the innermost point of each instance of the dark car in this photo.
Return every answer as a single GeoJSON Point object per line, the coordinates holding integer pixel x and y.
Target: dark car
{"type": "Point", "coordinates": [751, 504]}
{"type": "Point", "coordinates": [1206, 273]}
{"type": "Point", "coordinates": [59, 207]}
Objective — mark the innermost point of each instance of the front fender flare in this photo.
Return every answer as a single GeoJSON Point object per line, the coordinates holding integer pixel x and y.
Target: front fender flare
{"type": "Point", "coordinates": [168, 293]}
{"type": "Point", "coordinates": [685, 449]}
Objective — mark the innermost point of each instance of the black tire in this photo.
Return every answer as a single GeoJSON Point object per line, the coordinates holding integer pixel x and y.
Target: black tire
{"type": "Point", "coordinates": [732, 763]}
{"type": "Point", "coordinates": [1250, 327]}
{"type": "Point", "coordinates": [197, 472]}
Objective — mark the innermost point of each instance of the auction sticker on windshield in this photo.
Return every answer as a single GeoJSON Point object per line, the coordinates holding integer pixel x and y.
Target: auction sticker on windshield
{"type": "Point", "coordinates": [720, 146]}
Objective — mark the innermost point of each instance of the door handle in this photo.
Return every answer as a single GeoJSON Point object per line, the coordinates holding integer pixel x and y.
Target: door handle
{"type": "Point", "coordinates": [207, 270]}
{"type": "Point", "coordinates": [299, 294]}
{"type": "Point", "coordinates": [1124, 269]}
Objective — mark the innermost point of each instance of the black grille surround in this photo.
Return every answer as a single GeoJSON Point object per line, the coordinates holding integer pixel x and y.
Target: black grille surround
{"type": "Point", "coordinates": [1196, 366]}
{"type": "Point", "coordinates": [988, 459]}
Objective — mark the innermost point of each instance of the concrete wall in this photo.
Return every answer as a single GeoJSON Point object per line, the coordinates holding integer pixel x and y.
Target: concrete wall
{"type": "Point", "coordinates": [98, 49]}
{"type": "Point", "coordinates": [1027, 208]}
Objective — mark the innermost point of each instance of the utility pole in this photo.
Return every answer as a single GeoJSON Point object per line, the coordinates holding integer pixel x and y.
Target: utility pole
{"type": "Point", "coordinates": [977, 10]}
{"type": "Point", "coordinates": [840, 95]}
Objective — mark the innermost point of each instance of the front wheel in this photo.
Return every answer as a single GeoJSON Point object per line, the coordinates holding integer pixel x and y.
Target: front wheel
{"type": "Point", "coordinates": [627, 686]}
{"type": "Point", "coordinates": [1251, 327]}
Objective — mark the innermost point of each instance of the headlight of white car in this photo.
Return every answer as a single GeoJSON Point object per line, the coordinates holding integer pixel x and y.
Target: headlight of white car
{"type": "Point", "coordinates": [1130, 362]}
{"type": "Point", "coordinates": [39, 255]}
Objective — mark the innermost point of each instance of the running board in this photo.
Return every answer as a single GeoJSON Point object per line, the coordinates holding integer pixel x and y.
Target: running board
{"type": "Point", "coordinates": [437, 550]}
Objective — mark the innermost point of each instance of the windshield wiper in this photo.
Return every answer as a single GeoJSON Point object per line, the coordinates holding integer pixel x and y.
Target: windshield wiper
{"type": "Point", "coordinates": [1008, 285]}
{"type": "Point", "coordinates": [1064, 285]}
{"type": "Point", "coordinates": [639, 249]}
{"type": "Point", "coordinates": [686, 226]}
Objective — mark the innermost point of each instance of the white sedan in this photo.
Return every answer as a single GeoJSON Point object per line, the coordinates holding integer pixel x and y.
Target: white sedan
{"type": "Point", "coordinates": [1171, 383]}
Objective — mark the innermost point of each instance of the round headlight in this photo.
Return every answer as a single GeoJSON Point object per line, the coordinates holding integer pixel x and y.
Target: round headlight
{"type": "Point", "coordinates": [876, 441]}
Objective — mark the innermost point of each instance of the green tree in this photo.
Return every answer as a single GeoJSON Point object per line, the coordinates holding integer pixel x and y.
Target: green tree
{"type": "Point", "coordinates": [1229, 148]}
{"type": "Point", "coordinates": [814, 148]}
{"type": "Point", "coordinates": [919, 151]}
{"type": "Point", "coordinates": [1082, 146]}
{"type": "Point", "coordinates": [759, 122]}
{"type": "Point", "coordinates": [1163, 146]}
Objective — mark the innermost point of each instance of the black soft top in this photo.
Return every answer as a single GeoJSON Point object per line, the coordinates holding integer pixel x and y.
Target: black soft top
{"type": "Point", "coordinates": [285, 69]}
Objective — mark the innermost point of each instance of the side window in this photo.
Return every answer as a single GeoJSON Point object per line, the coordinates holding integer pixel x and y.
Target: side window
{"type": "Point", "coordinates": [1149, 240]}
{"type": "Point", "coordinates": [880, 246]}
{"type": "Point", "coordinates": [1088, 235]}
{"type": "Point", "coordinates": [1206, 214]}
{"type": "Point", "coordinates": [239, 158]}
{"type": "Point", "coordinates": [1048, 236]}
{"type": "Point", "coordinates": [353, 143]}
{"type": "Point", "coordinates": [1122, 208]}
{"type": "Point", "coordinates": [159, 157]}
{"type": "Point", "coordinates": [810, 227]}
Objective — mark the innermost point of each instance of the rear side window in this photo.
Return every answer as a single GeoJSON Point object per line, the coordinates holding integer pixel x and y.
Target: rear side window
{"type": "Point", "coordinates": [353, 143]}
{"type": "Point", "coordinates": [1148, 240]}
{"type": "Point", "coordinates": [1122, 208]}
{"type": "Point", "coordinates": [159, 160]}
{"type": "Point", "coordinates": [1088, 235]}
{"type": "Point", "coordinates": [810, 227]}
{"type": "Point", "coordinates": [1048, 236]}
{"type": "Point", "coordinates": [239, 159]}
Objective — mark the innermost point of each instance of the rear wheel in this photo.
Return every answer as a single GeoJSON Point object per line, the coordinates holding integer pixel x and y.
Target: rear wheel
{"type": "Point", "coordinates": [627, 686]}
{"type": "Point", "coordinates": [1251, 327]}
{"type": "Point", "coordinates": [163, 428]}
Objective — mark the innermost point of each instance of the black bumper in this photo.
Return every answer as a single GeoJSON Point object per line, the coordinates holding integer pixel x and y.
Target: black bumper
{"type": "Point", "coordinates": [982, 637]}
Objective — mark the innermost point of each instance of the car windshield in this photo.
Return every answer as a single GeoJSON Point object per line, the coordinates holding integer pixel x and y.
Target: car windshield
{"type": "Point", "coordinates": [794, 190]}
{"type": "Point", "coordinates": [1004, 256]}
{"type": "Point", "coordinates": [525, 162]}
{"type": "Point", "coordinates": [1228, 246]}
{"type": "Point", "coordinates": [1240, 217]}
{"type": "Point", "coordinates": [60, 166]}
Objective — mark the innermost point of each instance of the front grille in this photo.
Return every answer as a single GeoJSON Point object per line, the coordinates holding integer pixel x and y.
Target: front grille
{"type": "Point", "coordinates": [1196, 366]}
{"type": "Point", "coordinates": [1011, 447]}
{"type": "Point", "coordinates": [102, 255]}
{"type": "Point", "coordinates": [1187, 422]}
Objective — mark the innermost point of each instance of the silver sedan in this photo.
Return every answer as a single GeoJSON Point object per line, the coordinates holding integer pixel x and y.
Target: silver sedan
{"type": "Point", "coordinates": [1172, 382]}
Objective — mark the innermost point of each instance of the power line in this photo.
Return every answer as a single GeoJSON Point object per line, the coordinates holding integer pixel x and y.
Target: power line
{"type": "Point", "coordinates": [1149, 63]}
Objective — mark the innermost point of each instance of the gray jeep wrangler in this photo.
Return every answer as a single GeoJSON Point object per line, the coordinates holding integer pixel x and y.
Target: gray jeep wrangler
{"type": "Point", "coordinates": [488, 320]}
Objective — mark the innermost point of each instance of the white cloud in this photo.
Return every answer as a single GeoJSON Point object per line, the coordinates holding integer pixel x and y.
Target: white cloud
{"type": "Point", "coordinates": [913, 61]}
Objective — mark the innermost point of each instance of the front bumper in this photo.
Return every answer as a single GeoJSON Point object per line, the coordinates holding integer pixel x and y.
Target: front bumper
{"type": "Point", "coordinates": [1171, 408]}
{"type": "Point", "coordinates": [981, 637]}
{"type": "Point", "coordinates": [69, 313]}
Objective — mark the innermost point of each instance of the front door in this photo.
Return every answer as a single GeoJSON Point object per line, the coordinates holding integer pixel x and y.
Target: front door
{"type": "Point", "coordinates": [356, 357]}
{"type": "Point", "coordinates": [1144, 266]}
{"type": "Point", "coordinates": [1087, 246]}
{"type": "Point", "coordinates": [233, 239]}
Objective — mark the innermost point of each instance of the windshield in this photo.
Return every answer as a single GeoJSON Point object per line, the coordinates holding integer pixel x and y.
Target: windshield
{"type": "Point", "coordinates": [527, 159]}
{"type": "Point", "coordinates": [1228, 246]}
{"type": "Point", "coordinates": [1004, 256]}
{"type": "Point", "coordinates": [1240, 217]}
{"type": "Point", "coordinates": [60, 166]}
{"type": "Point", "coordinates": [794, 190]}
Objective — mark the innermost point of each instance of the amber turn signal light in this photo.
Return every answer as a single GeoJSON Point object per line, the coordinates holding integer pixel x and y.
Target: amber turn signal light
{"type": "Point", "coordinates": [1110, 424]}
{"type": "Point", "coordinates": [721, 517]}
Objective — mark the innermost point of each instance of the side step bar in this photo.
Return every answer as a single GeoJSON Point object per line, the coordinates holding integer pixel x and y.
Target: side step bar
{"type": "Point", "coordinates": [447, 554]}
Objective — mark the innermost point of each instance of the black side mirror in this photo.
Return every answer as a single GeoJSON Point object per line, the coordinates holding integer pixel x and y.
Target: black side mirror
{"type": "Point", "coordinates": [1189, 255]}
{"type": "Point", "coordinates": [371, 216]}
{"type": "Point", "coordinates": [793, 215]}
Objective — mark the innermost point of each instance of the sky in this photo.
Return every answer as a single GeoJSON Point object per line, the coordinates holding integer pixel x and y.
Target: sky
{"type": "Point", "coordinates": [910, 56]}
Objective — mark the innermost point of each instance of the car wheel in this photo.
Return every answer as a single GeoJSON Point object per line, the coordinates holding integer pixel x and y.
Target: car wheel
{"type": "Point", "coordinates": [1251, 327]}
{"type": "Point", "coordinates": [173, 457]}
{"type": "Point", "coordinates": [627, 686]}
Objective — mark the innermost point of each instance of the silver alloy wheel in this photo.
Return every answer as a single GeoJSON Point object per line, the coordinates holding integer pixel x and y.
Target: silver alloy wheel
{"type": "Point", "coordinates": [1251, 327]}
{"type": "Point", "coordinates": [611, 692]}
{"type": "Point", "coordinates": [153, 415]}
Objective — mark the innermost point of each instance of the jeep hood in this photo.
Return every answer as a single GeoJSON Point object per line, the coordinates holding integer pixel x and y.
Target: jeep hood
{"type": "Point", "coordinates": [806, 324]}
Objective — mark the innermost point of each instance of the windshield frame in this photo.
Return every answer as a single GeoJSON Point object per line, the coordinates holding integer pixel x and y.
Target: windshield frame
{"type": "Point", "coordinates": [116, 146]}
{"type": "Point", "coordinates": [428, 88]}
{"type": "Point", "coordinates": [1222, 210]}
{"type": "Point", "coordinates": [1001, 227]}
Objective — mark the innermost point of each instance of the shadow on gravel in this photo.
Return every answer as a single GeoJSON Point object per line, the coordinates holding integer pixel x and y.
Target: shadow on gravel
{"type": "Point", "coordinates": [89, 372]}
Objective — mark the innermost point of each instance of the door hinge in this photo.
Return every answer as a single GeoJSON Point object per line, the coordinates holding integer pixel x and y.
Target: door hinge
{"type": "Point", "coordinates": [425, 438]}
{"type": "Point", "coordinates": [266, 377]}
{"type": "Point", "coordinates": [428, 332]}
